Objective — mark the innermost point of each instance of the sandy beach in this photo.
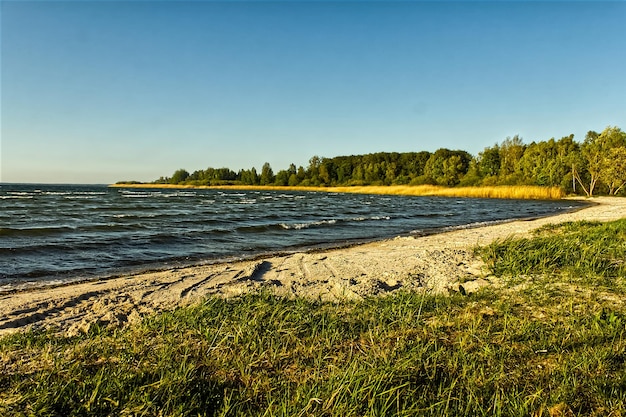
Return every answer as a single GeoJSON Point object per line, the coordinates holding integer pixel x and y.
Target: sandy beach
{"type": "Point", "coordinates": [436, 263]}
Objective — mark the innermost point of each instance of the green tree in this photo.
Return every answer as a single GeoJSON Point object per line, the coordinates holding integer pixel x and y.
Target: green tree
{"type": "Point", "coordinates": [595, 150]}
{"type": "Point", "coordinates": [411, 166]}
{"type": "Point", "coordinates": [292, 169]}
{"type": "Point", "coordinates": [511, 151]}
{"type": "Point", "coordinates": [591, 150]}
{"type": "Point", "coordinates": [254, 176]}
{"type": "Point", "coordinates": [267, 175]}
{"type": "Point", "coordinates": [313, 173]}
{"type": "Point", "coordinates": [390, 173]}
{"type": "Point", "coordinates": [373, 172]}
{"type": "Point", "coordinates": [301, 174]}
{"type": "Point", "coordinates": [225, 174]}
{"type": "Point", "coordinates": [282, 177]}
{"type": "Point", "coordinates": [567, 153]}
{"type": "Point", "coordinates": [489, 161]}
{"type": "Point", "coordinates": [538, 165]}
{"type": "Point", "coordinates": [614, 175]}
{"type": "Point", "coordinates": [473, 176]}
{"type": "Point", "coordinates": [293, 180]}
{"type": "Point", "coordinates": [327, 172]}
{"type": "Point", "coordinates": [447, 167]}
{"type": "Point", "coordinates": [179, 176]}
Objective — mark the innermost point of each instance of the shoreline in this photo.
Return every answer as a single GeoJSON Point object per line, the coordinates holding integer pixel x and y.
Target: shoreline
{"type": "Point", "coordinates": [435, 263]}
{"type": "Point", "coordinates": [156, 267]}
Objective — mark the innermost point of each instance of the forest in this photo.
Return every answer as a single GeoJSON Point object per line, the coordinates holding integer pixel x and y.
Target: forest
{"type": "Point", "coordinates": [595, 166]}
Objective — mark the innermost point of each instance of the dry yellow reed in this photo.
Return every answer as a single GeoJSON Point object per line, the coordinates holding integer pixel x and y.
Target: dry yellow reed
{"type": "Point", "coordinates": [526, 192]}
{"type": "Point", "coordinates": [504, 192]}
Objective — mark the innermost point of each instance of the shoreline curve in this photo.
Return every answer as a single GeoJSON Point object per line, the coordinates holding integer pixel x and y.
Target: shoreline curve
{"type": "Point", "coordinates": [433, 263]}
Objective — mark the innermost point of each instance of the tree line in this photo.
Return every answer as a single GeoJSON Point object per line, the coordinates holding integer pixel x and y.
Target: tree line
{"type": "Point", "coordinates": [595, 166]}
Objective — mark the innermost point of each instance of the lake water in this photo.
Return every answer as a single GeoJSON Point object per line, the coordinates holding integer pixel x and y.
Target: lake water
{"type": "Point", "coordinates": [57, 233]}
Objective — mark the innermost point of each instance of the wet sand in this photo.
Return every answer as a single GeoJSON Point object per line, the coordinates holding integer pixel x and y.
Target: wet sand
{"type": "Point", "coordinates": [436, 263]}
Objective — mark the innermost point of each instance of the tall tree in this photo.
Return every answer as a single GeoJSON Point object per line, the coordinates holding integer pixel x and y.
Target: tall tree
{"type": "Point", "coordinates": [292, 180]}
{"type": "Point", "coordinates": [567, 153]}
{"type": "Point", "coordinates": [542, 164]}
{"type": "Point", "coordinates": [314, 170]}
{"type": "Point", "coordinates": [179, 176]}
{"type": "Point", "coordinates": [254, 176]}
{"type": "Point", "coordinates": [511, 151]}
{"type": "Point", "coordinates": [292, 169]}
{"type": "Point", "coordinates": [489, 161]}
{"type": "Point", "coordinates": [282, 177]}
{"type": "Point", "coordinates": [614, 175]}
{"type": "Point", "coordinates": [595, 150]}
{"type": "Point", "coordinates": [267, 175]}
{"type": "Point", "coordinates": [447, 167]}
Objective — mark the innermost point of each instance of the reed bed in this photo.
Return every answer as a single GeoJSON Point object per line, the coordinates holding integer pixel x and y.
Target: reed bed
{"type": "Point", "coordinates": [553, 346]}
{"type": "Point", "coordinates": [527, 192]}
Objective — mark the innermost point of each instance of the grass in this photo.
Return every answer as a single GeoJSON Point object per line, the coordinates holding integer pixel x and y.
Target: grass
{"type": "Point", "coordinates": [527, 192]}
{"type": "Point", "coordinates": [588, 251]}
{"type": "Point", "coordinates": [550, 342]}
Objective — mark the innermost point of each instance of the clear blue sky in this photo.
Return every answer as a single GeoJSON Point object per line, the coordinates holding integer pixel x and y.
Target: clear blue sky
{"type": "Point", "coordinates": [101, 91]}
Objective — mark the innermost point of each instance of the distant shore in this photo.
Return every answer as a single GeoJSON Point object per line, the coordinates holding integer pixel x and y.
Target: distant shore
{"type": "Point", "coordinates": [502, 191]}
{"type": "Point", "coordinates": [436, 263]}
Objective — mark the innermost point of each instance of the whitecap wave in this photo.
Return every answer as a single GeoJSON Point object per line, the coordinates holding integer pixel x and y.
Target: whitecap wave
{"type": "Point", "coordinates": [299, 226]}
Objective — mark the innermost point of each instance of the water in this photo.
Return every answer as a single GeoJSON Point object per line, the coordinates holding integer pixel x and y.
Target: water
{"type": "Point", "coordinates": [57, 233]}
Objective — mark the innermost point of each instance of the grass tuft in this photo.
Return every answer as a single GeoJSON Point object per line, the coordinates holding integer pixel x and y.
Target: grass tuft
{"type": "Point", "coordinates": [586, 250]}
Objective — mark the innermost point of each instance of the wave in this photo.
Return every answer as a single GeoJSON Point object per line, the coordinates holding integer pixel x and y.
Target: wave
{"type": "Point", "coordinates": [71, 231]}
{"type": "Point", "coordinates": [318, 223]}
{"type": "Point", "coordinates": [140, 195]}
{"type": "Point", "coordinates": [34, 231]}
{"type": "Point", "coordinates": [80, 197]}
{"type": "Point", "coordinates": [160, 194]}
{"type": "Point", "coordinates": [231, 194]}
{"type": "Point", "coordinates": [299, 226]}
{"type": "Point", "coordinates": [112, 228]}
{"type": "Point", "coordinates": [90, 193]}
{"type": "Point", "coordinates": [43, 249]}
{"type": "Point", "coordinates": [181, 194]}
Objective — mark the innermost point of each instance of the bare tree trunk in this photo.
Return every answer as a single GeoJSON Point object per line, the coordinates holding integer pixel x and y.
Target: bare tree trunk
{"type": "Point", "coordinates": [577, 177]}
{"type": "Point", "coordinates": [592, 185]}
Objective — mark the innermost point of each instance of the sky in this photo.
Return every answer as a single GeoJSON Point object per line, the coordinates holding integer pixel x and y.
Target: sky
{"type": "Point", "coordinates": [104, 91]}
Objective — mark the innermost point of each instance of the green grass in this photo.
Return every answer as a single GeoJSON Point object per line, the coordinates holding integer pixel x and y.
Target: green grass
{"type": "Point", "coordinates": [552, 346]}
{"type": "Point", "coordinates": [587, 251]}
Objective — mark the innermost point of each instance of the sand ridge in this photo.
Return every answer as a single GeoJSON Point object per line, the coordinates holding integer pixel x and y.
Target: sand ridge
{"type": "Point", "coordinates": [436, 263]}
